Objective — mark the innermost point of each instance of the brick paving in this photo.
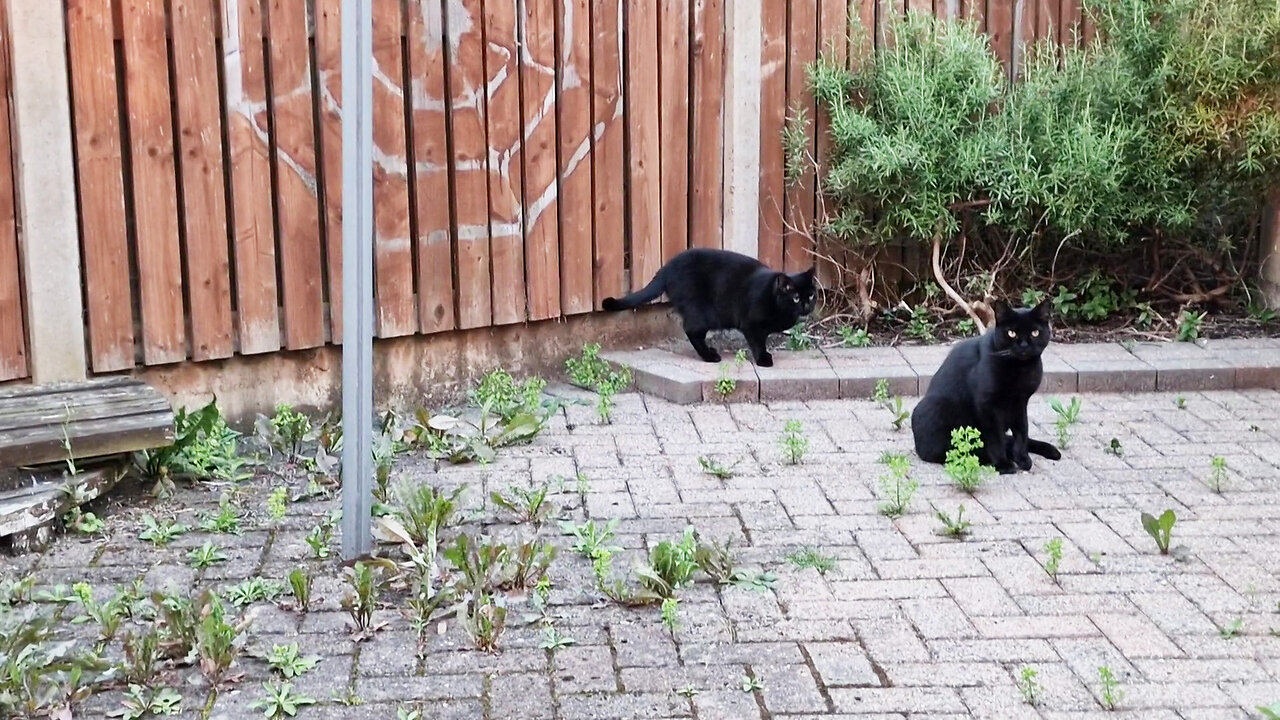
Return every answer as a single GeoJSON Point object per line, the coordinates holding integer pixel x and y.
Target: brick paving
{"type": "Point", "coordinates": [910, 624]}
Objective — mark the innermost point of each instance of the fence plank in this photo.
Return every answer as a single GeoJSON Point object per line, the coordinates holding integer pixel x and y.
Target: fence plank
{"type": "Point", "coordinates": [541, 202]}
{"type": "Point", "coordinates": [976, 12]}
{"type": "Point", "coordinates": [886, 11]}
{"type": "Point", "coordinates": [506, 176]}
{"type": "Point", "coordinates": [798, 240]}
{"type": "Point", "coordinates": [674, 116]}
{"type": "Point", "coordinates": [100, 177]}
{"type": "Point", "coordinates": [608, 156]}
{"type": "Point", "coordinates": [13, 341]}
{"type": "Point", "coordinates": [773, 109]}
{"type": "Point", "coordinates": [470, 161]}
{"type": "Point", "coordinates": [432, 183]}
{"type": "Point", "coordinates": [1000, 28]}
{"type": "Point", "coordinates": [707, 196]}
{"type": "Point", "coordinates": [645, 149]}
{"type": "Point", "coordinates": [204, 199]}
{"type": "Point", "coordinates": [1072, 14]}
{"type": "Point", "coordinates": [1048, 19]}
{"type": "Point", "coordinates": [574, 34]}
{"type": "Point", "coordinates": [328, 32]}
{"type": "Point", "coordinates": [252, 206]}
{"type": "Point", "coordinates": [1024, 33]}
{"type": "Point", "coordinates": [154, 181]}
{"type": "Point", "coordinates": [298, 200]}
{"type": "Point", "coordinates": [395, 313]}
{"type": "Point", "coordinates": [924, 7]}
{"type": "Point", "coordinates": [833, 31]}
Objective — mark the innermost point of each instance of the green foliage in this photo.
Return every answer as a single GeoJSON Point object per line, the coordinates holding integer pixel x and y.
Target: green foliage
{"type": "Point", "coordinates": [320, 537]}
{"type": "Point", "coordinates": [795, 145]}
{"type": "Point", "coordinates": [527, 505]}
{"type": "Point", "coordinates": [254, 590]}
{"type": "Point", "coordinates": [1189, 325]}
{"type": "Point", "coordinates": [426, 513]}
{"type": "Point", "coordinates": [671, 614]}
{"type": "Point", "coordinates": [300, 588]}
{"type": "Point", "coordinates": [1028, 685]}
{"type": "Point", "coordinates": [962, 464]}
{"type": "Point", "coordinates": [1109, 688]}
{"type": "Point", "coordinates": [226, 520]}
{"type": "Point", "coordinates": [716, 559]}
{"type": "Point", "coordinates": [956, 527]}
{"type": "Point", "coordinates": [715, 468]}
{"type": "Point", "coordinates": [485, 621]}
{"type": "Point", "coordinates": [139, 702]}
{"type": "Point", "coordinates": [1113, 447]}
{"type": "Point", "coordinates": [725, 384]}
{"type": "Point", "coordinates": [40, 669]}
{"type": "Point", "coordinates": [289, 428]}
{"type": "Point", "coordinates": [207, 555]}
{"type": "Point", "coordinates": [592, 540]}
{"type": "Point", "coordinates": [1053, 551]}
{"type": "Point", "coordinates": [1067, 415]}
{"type": "Point", "coordinates": [812, 558]}
{"type": "Point", "coordinates": [289, 661]}
{"type": "Point", "coordinates": [204, 448]}
{"type": "Point", "coordinates": [794, 443]}
{"type": "Point", "coordinates": [1270, 713]}
{"type": "Point", "coordinates": [506, 398]}
{"type": "Point", "coordinates": [892, 403]}
{"type": "Point", "coordinates": [591, 372]}
{"type": "Point", "coordinates": [278, 504]}
{"type": "Point", "coordinates": [281, 701]}
{"type": "Point", "coordinates": [671, 565]}
{"type": "Point", "coordinates": [798, 337]}
{"type": "Point", "coordinates": [160, 532]}
{"type": "Point", "coordinates": [1218, 473]}
{"type": "Point", "coordinates": [897, 487]}
{"type": "Point", "coordinates": [853, 337]}
{"type": "Point", "coordinates": [218, 640]}
{"type": "Point", "coordinates": [1160, 529]}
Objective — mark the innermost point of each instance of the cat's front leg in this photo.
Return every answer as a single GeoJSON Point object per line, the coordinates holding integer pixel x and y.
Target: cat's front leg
{"type": "Point", "coordinates": [756, 341]}
{"type": "Point", "coordinates": [993, 446]}
{"type": "Point", "coordinates": [1018, 449]}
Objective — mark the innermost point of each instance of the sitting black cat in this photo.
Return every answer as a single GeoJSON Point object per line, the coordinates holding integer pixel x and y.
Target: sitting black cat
{"type": "Point", "coordinates": [722, 290]}
{"type": "Point", "coordinates": [985, 383]}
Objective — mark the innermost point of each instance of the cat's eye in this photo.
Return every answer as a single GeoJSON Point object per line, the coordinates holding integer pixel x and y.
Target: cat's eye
{"type": "Point", "coordinates": [1035, 333]}
{"type": "Point", "coordinates": [1013, 334]}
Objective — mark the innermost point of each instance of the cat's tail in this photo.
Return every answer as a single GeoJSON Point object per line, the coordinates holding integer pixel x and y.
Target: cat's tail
{"type": "Point", "coordinates": [1043, 449]}
{"type": "Point", "coordinates": [649, 292]}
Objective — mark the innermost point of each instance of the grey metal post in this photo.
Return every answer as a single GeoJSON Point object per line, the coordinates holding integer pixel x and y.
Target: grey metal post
{"type": "Point", "coordinates": [357, 277]}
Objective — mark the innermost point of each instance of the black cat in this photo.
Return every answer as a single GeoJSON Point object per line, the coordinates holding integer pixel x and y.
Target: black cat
{"type": "Point", "coordinates": [722, 290]}
{"type": "Point", "coordinates": [985, 383]}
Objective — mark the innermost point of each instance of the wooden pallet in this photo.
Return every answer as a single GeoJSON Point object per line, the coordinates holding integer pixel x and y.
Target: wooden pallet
{"type": "Point", "coordinates": [27, 512]}
{"type": "Point", "coordinates": [95, 418]}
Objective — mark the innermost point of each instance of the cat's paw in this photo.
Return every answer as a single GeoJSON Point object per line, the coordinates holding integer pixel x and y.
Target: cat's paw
{"type": "Point", "coordinates": [1024, 462]}
{"type": "Point", "coordinates": [765, 360]}
{"type": "Point", "coordinates": [1007, 469]}
{"type": "Point", "coordinates": [710, 356]}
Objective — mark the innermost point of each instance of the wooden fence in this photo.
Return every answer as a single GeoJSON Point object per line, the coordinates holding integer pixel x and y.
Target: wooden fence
{"type": "Point", "coordinates": [532, 158]}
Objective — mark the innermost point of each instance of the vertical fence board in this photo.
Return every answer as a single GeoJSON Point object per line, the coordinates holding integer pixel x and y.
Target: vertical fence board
{"type": "Point", "coordinates": [463, 22]}
{"type": "Point", "coordinates": [252, 208]}
{"type": "Point", "coordinates": [297, 197]}
{"type": "Point", "coordinates": [1048, 19]}
{"type": "Point", "coordinates": [924, 7]}
{"type": "Point", "coordinates": [154, 181]}
{"type": "Point", "coordinates": [13, 341]}
{"type": "Point", "coordinates": [706, 199]}
{"type": "Point", "coordinates": [1000, 28]}
{"type": "Point", "coordinates": [833, 33]}
{"type": "Point", "coordinates": [99, 167]}
{"type": "Point", "coordinates": [506, 212]}
{"type": "Point", "coordinates": [541, 199]}
{"type": "Point", "coordinates": [886, 11]}
{"type": "Point", "coordinates": [608, 155]}
{"type": "Point", "coordinates": [803, 30]}
{"type": "Point", "coordinates": [644, 122]}
{"type": "Point", "coordinates": [433, 185]}
{"type": "Point", "coordinates": [574, 98]}
{"type": "Point", "coordinates": [1069, 32]}
{"type": "Point", "coordinates": [976, 12]}
{"type": "Point", "coordinates": [328, 39]}
{"type": "Point", "coordinates": [674, 115]}
{"type": "Point", "coordinates": [1024, 33]}
{"type": "Point", "coordinates": [203, 192]}
{"type": "Point", "coordinates": [393, 252]}
{"type": "Point", "coordinates": [773, 109]}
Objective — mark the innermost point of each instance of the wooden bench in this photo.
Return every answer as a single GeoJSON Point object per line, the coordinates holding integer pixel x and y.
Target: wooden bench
{"type": "Point", "coordinates": [97, 417]}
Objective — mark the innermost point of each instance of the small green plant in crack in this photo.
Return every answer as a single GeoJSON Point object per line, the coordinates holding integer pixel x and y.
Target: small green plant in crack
{"type": "Point", "coordinates": [218, 641]}
{"type": "Point", "coordinates": [591, 540]}
{"type": "Point", "coordinates": [160, 532]}
{"type": "Point", "coordinates": [794, 443]}
{"type": "Point", "coordinates": [956, 527]}
{"type": "Point", "coordinates": [1232, 629]}
{"type": "Point", "coordinates": [1109, 688]}
{"type": "Point", "coordinates": [725, 383]}
{"type": "Point", "coordinates": [671, 615]}
{"type": "Point", "coordinates": [1113, 447]}
{"type": "Point", "coordinates": [83, 522]}
{"type": "Point", "coordinates": [1028, 685]}
{"type": "Point", "coordinates": [347, 698]}
{"type": "Point", "coordinates": [1160, 529]}
{"type": "Point", "coordinates": [757, 581]}
{"type": "Point", "coordinates": [593, 373]}
{"type": "Point", "coordinates": [206, 556]}
{"type": "Point", "coordinates": [366, 581]}
{"type": "Point", "coordinates": [320, 537]}
{"type": "Point", "coordinates": [798, 337]}
{"type": "Point", "coordinates": [485, 621]}
{"type": "Point", "coordinates": [716, 559]}
{"type": "Point", "coordinates": [1218, 473]}
{"type": "Point", "coordinates": [810, 558]}
{"type": "Point", "coordinates": [1053, 552]}
{"type": "Point", "coordinates": [717, 469]}
{"type": "Point", "coordinates": [1180, 402]}
{"type": "Point", "coordinates": [289, 429]}
{"type": "Point", "coordinates": [403, 713]}
{"type": "Point", "coordinates": [1066, 416]}
{"type": "Point", "coordinates": [527, 505]}
{"type": "Point", "coordinates": [751, 684]}
{"type": "Point", "coordinates": [853, 337]}
{"type": "Point", "coordinates": [140, 701]}
{"type": "Point", "coordinates": [962, 464]}
{"type": "Point", "coordinates": [896, 487]}
{"type": "Point", "coordinates": [281, 701]}
{"type": "Point", "coordinates": [107, 615]}
{"type": "Point", "coordinates": [687, 691]}
{"type": "Point", "coordinates": [1270, 713]}
{"type": "Point", "coordinates": [300, 588]}
{"type": "Point", "coordinates": [553, 639]}
{"type": "Point", "coordinates": [890, 402]}
{"type": "Point", "coordinates": [57, 595]}
{"type": "Point", "coordinates": [1190, 324]}
{"type": "Point", "coordinates": [254, 590]}
{"type": "Point", "coordinates": [289, 661]}
{"type": "Point", "coordinates": [226, 521]}
{"type": "Point", "coordinates": [141, 650]}
{"type": "Point", "coordinates": [671, 565]}
{"type": "Point", "coordinates": [278, 504]}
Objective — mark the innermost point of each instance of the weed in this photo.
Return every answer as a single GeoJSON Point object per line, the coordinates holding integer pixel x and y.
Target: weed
{"type": "Point", "coordinates": [671, 565]}
{"type": "Point", "coordinates": [671, 615]}
{"type": "Point", "coordinates": [592, 540]}
{"type": "Point", "coordinates": [141, 701]}
{"type": "Point", "coordinates": [758, 582]}
{"type": "Point", "coordinates": [348, 698]}
{"type": "Point", "coordinates": [956, 527]}
{"type": "Point", "coordinates": [160, 532]}
{"type": "Point", "coordinates": [486, 620]}
{"type": "Point", "coordinates": [796, 141]}
{"type": "Point", "coordinates": [508, 399]}
{"type": "Point", "coordinates": [897, 487]}
{"type": "Point", "coordinates": [812, 558]}
{"type": "Point", "coordinates": [1180, 402]}
{"type": "Point", "coordinates": [207, 555]}
{"type": "Point", "coordinates": [300, 587]}
{"type": "Point", "coordinates": [531, 506]}
{"type": "Point", "coordinates": [107, 615]}
{"type": "Point", "coordinates": [320, 537]}
{"type": "Point", "coordinates": [253, 590]}
{"type": "Point", "coordinates": [794, 443]}
{"type": "Point", "coordinates": [853, 337]}
{"type": "Point", "coordinates": [204, 447]}
{"type": "Point", "coordinates": [178, 623]}
{"type": "Point", "coordinates": [751, 684]}
{"type": "Point", "coordinates": [16, 591]}
{"type": "Point", "coordinates": [962, 464]}
{"type": "Point", "coordinates": [687, 691]}
{"type": "Point", "coordinates": [281, 701]}
{"type": "Point", "coordinates": [141, 650]}
{"type": "Point", "coordinates": [1160, 529]}
{"type": "Point", "coordinates": [1110, 688]}
{"type": "Point", "coordinates": [1218, 473]}
{"type": "Point", "coordinates": [84, 523]}
{"type": "Point", "coordinates": [1053, 549]}
{"type": "Point", "coordinates": [407, 714]}
{"type": "Point", "coordinates": [1028, 685]}
{"type": "Point", "coordinates": [524, 564]}
{"type": "Point", "coordinates": [225, 521]}
{"type": "Point", "coordinates": [725, 385]}
{"type": "Point", "coordinates": [920, 325]}
{"type": "Point", "coordinates": [716, 559]}
{"type": "Point", "coordinates": [1232, 629]}
{"type": "Point", "coordinates": [966, 327]}
{"type": "Point", "coordinates": [889, 402]}
{"type": "Point", "coordinates": [715, 468]}
{"type": "Point", "coordinates": [278, 504]}
{"type": "Point", "coordinates": [218, 641]}
{"type": "Point", "coordinates": [289, 429]}
{"type": "Point", "coordinates": [1189, 325]}
{"type": "Point", "coordinates": [553, 639]}
{"type": "Point", "coordinates": [798, 337]}
{"type": "Point", "coordinates": [59, 595]}
{"type": "Point", "coordinates": [426, 513]}
{"type": "Point", "coordinates": [1067, 415]}
{"type": "Point", "coordinates": [289, 662]}
{"type": "Point", "coordinates": [1270, 713]}
{"type": "Point", "coordinates": [1113, 447]}
{"type": "Point", "coordinates": [591, 372]}
{"type": "Point", "coordinates": [361, 600]}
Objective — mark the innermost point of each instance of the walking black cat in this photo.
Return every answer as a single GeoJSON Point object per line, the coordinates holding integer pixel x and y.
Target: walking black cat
{"type": "Point", "coordinates": [722, 290]}
{"type": "Point", "coordinates": [985, 383]}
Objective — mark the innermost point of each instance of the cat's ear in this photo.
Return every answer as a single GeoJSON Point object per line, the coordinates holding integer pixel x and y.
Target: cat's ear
{"type": "Point", "coordinates": [813, 270]}
{"type": "Point", "coordinates": [999, 310]}
{"type": "Point", "coordinates": [1044, 310]}
{"type": "Point", "coordinates": [782, 283]}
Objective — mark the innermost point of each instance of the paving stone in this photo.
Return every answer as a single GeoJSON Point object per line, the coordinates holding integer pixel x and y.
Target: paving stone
{"type": "Point", "coordinates": [623, 706]}
{"type": "Point", "coordinates": [842, 664]}
{"type": "Point", "coordinates": [929, 701]}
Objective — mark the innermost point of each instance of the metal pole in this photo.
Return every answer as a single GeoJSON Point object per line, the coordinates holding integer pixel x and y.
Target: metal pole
{"type": "Point", "coordinates": [357, 277]}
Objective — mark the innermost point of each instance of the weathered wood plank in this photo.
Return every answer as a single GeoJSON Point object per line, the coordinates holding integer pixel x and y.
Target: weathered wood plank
{"type": "Point", "coordinates": [773, 111]}
{"type": "Point", "coordinates": [13, 341]}
{"type": "Point", "coordinates": [833, 33]}
{"type": "Point", "coordinates": [92, 438]}
{"type": "Point", "coordinates": [798, 240]}
{"type": "Point", "coordinates": [608, 155]}
{"type": "Point", "coordinates": [203, 185]}
{"type": "Point", "coordinates": [16, 392]}
{"type": "Point", "coordinates": [541, 202]}
{"type": "Point", "coordinates": [506, 169]}
{"type": "Point", "coordinates": [27, 508]}
{"type": "Point", "coordinates": [328, 32]}
{"type": "Point", "coordinates": [673, 99]}
{"type": "Point", "coordinates": [432, 181]}
{"type": "Point", "coordinates": [155, 191]}
{"type": "Point", "coordinates": [252, 204]}
{"type": "Point", "coordinates": [69, 403]}
{"type": "Point", "coordinates": [574, 84]}
{"type": "Point", "coordinates": [1000, 29]}
{"type": "Point", "coordinates": [100, 175]}
{"type": "Point", "coordinates": [645, 148]}
{"type": "Point", "coordinates": [76, 410]}
{"type": "Point", "coordinates": [707, 196]}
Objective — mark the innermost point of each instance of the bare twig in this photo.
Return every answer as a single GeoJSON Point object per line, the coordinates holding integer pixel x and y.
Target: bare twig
{"type": "Point", "coordinates": [950, 291]}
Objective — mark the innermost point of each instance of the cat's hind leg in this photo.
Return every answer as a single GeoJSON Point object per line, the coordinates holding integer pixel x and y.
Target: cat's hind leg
{"type": "Point", "coordinates": [756, 341]}
{"type": "Point", "coordinates": [931, 424]}
{"type": "Point", "coordinates": [698, 339]}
